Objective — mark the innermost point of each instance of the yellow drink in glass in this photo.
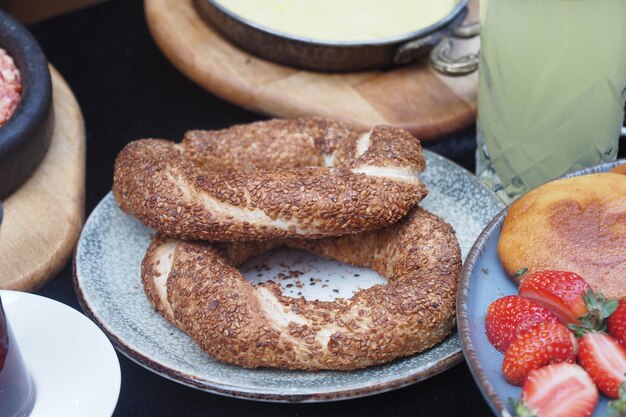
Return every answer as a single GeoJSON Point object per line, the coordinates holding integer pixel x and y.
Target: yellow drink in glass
{"type": "Point", "coordinates": [551, 89]}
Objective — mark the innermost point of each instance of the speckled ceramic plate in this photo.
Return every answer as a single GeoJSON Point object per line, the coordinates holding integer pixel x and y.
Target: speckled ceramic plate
{"type": "Point", "coordinates": [483, 280]}
{"type": "Point", "coordinates": [107, 281]}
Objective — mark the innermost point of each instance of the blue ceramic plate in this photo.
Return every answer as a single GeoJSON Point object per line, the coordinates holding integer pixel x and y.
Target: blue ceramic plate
{"type": "Point", "coordinates": [483, 281]}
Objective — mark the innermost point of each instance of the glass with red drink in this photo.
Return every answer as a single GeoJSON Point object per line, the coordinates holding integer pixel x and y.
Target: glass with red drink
{"type": "Point", "coordinates": [17, 393]}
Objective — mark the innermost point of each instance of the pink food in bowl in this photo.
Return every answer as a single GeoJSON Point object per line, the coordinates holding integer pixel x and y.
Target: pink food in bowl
{"type": "Point", "coordinates": [10, 86]}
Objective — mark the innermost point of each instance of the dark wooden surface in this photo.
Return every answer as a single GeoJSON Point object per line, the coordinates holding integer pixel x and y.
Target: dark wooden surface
{"type": "Point", "coordinates": [128, 90]}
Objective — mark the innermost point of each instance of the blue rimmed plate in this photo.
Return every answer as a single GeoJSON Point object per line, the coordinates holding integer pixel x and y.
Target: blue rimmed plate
{"type": "Point", "coordinates": [483, 280]}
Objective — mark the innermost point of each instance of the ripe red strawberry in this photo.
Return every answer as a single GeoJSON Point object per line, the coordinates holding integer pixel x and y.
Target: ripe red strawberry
{"type": "Point", "coordinates": [509, 316]}
{"type": "Point", "coordinates": [617, 323]}
{"type": "Point", "coordinates": [605, 360]}
{"type": "Point", "coordinates": [541, 345]}
{"type": "Point", "coordinates": [559, 291]}
{"type": "Point", "coordinates": [558, 390]}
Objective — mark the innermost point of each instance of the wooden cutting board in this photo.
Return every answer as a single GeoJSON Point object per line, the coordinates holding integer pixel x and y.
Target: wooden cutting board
{"type": "Point", "coordinates": [43, 218]}
{"type": "Point", "coordinates": [416, 97]}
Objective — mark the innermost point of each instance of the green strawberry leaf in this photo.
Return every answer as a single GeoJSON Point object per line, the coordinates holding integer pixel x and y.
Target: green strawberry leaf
{"type": "Point", "coordinates": [518, 408]}
{"type": "Point", "coordinates": [599, 310]}
{"type": "Point", "coordinates": [520, 272]}
{"type": "Point", "coordinates": [617, 408]}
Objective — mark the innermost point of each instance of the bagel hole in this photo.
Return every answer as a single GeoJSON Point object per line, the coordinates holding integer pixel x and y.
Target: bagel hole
{"type": "Point", "coordinates": [303, 274]}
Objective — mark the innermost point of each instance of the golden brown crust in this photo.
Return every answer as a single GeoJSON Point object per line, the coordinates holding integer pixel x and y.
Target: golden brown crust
{"type": "Point", "coordinates": [620, 169]}
{"type": "Point", "coordinates": [251, 326]}
{"type": "Point", "coordinates": [284, 143]}
{"type": "Point", "coordinates": [576, 224]}
{"type": "Point", "coordinates": [173, 189]}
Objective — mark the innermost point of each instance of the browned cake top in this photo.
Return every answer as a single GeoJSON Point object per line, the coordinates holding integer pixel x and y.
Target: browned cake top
{"type": "Point", "coordinates": [576, 224]}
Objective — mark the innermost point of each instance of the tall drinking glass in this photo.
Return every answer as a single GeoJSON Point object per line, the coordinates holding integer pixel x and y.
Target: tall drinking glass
{"type": "Point", "coordinates": [551, 89]}
{"type": "Point", "coordinates": [17, 394]}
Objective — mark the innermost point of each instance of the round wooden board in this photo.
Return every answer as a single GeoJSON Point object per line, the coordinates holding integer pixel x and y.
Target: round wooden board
{"type": "Point", "coordinates": [414, 97]}
{"type": "Point", "coordinates": [43, 218]}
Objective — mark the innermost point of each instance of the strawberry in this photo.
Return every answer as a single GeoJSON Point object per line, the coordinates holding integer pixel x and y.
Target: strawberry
{"type": "Point", "coordinates": [508, 316]}
{"type": "Point", "coordinates": [540, 345]}
{"type": "Point", "coordinates": [559, 291]}
{"type": "Point", "coordinates": [605, 360]}
{"type": "Point", "coordinates": [558, 390]}
{"type": "Point", "coordinates": [617, 323]}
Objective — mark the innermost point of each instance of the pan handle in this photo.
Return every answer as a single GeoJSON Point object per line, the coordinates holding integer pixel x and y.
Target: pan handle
{"type": "Point", "coordinates": [444, 63]}
{"type": "Point", "coordinates": [414, 49]}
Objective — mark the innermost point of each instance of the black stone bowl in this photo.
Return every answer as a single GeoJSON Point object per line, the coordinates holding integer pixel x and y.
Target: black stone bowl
{"type": "Point", "coordinates": [25, 137]}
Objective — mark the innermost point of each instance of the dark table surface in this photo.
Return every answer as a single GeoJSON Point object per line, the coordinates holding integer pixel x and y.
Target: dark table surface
{"type": "Point", "coordinates": [128, 90]}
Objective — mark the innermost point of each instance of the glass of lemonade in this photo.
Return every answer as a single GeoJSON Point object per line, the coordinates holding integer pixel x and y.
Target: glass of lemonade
{"type": "Point", "coordinates": [551, 89]}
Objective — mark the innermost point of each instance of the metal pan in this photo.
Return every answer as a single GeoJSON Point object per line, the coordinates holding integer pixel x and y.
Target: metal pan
{"type": "Point", "coordinates": [331, 56]}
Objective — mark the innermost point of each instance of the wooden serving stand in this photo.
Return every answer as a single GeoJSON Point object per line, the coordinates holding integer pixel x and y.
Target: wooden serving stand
{"type": "Point", "coordinates": [414, 97]}
{"type": "Point", "coordinates": [43, 218]}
